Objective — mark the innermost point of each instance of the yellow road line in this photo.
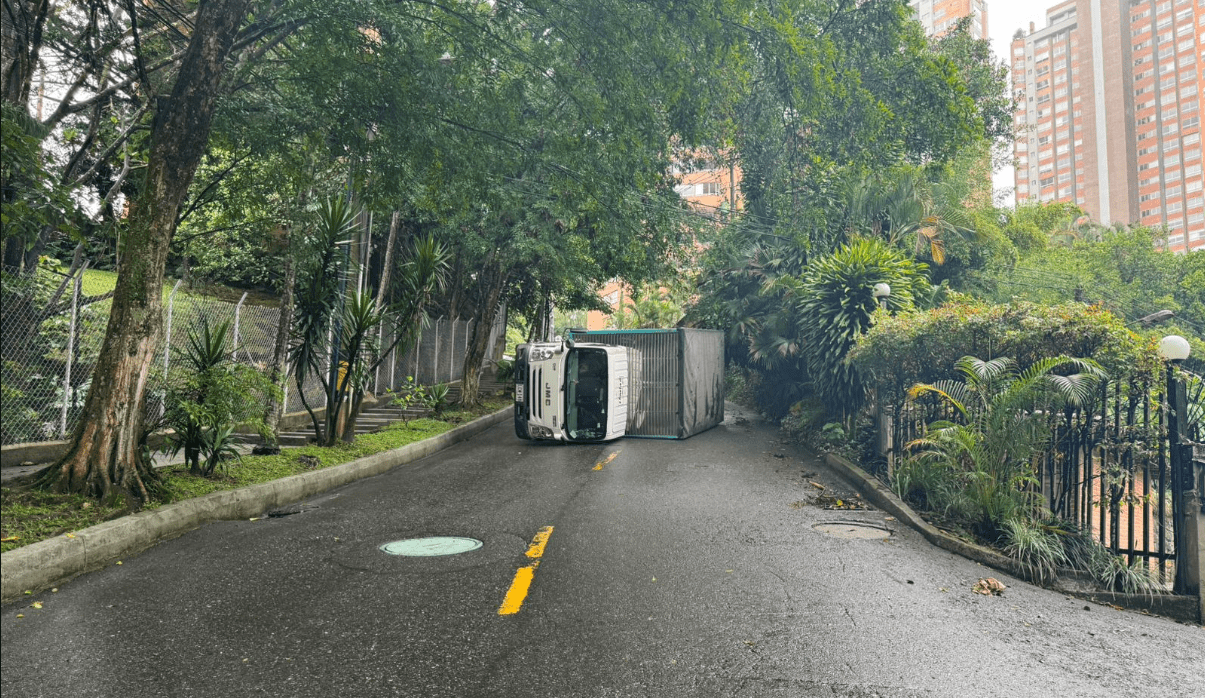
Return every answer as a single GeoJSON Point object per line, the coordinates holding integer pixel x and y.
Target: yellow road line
{"type": "Point", "coordinates": [518, 590]}
{"type": "Point", "coordinates": [606, 460]}
{"type": "Point", "coordinates": [524, 575]}
{"type": "Point", "coordinates": [537, 544]}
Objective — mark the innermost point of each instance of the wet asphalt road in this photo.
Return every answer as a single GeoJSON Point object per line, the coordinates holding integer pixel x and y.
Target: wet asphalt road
{"type": "Point", "coordinates": [676, 569]}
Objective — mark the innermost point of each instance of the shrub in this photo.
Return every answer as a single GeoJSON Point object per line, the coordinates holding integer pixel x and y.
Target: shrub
{"type": "Point", "coordinates": [902, 350]}
{"type": "Point", "coordinates": [208, 395]}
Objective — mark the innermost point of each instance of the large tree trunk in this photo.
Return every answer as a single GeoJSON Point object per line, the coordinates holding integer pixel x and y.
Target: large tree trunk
{"type": "Point", "coordinates": [106, 455]}
{"type": "Point", "coordinates": [474, 355]}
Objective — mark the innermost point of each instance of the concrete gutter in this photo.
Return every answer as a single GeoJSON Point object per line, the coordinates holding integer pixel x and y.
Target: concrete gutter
{"type": "Point", "coordinates": [55, 560]}
{"type": "Point", "coordinates": [1183, 608]}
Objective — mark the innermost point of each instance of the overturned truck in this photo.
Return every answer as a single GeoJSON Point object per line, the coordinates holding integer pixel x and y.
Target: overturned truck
{"type": "Point", "coordinates": [601, 385]}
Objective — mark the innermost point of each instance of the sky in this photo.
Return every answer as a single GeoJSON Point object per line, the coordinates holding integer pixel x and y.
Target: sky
{"type": "Point", "coordinates": [1004, 18]}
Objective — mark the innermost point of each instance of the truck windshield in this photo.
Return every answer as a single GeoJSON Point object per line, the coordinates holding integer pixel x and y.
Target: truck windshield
{"type": "Point", "coordinates": [586, 397]}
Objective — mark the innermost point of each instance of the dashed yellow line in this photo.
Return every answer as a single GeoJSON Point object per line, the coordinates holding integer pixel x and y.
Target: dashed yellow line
{"type": "Point", "coordinates": [524, 575]}
{"type": "Point", "coordinates": [606, 460]}
{"type": "Point", "coordinates": [536, 549]}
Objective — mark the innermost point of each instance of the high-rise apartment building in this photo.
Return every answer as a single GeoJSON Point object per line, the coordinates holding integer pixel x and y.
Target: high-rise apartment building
{"type": "Point", "coordinates": [938, 16]}
{"type": "Point", "coordinates": [1109, 113]}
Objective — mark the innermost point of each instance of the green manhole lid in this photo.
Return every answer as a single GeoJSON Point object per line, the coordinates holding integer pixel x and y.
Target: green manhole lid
{"type": "Point", "coordinates": [432, 546]}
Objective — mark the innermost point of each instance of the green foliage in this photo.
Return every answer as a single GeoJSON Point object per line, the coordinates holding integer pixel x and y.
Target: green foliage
{"type": "Point", "coordinates": [32, 197]}
{"type": "Point", "coordinates": [918, 347]}
{"type": "Point", "coordinates": [1035, 546]}
{"type": "Point", "coordinates": [331, 322]}
{"type": "Point", "coordinates": [408, 393]}
{"type": "Point", "coordinates": [208, 395]}
{"type": "Point", "coordinates": [435, 398]}
{"type": "Point", "coordinates": [1121, 269]}
{"type": "Point", "coordinates": [1000, 424]}
{"type": "Point", "coordinates": [835, 304]}
{"type": "Point", "coordinates": [505, 371]}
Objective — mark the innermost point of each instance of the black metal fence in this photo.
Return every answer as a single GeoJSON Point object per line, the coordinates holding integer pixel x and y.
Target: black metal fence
{"type": "Point", "coordinates": [1109, 466]}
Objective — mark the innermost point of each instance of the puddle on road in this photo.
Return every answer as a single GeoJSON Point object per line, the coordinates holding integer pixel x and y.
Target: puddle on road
{"type": "Point", "coordinates": [853, 530]}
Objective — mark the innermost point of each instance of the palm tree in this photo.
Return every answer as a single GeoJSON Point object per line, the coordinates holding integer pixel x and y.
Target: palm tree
{"type": "Point", "coordinates": [984, 455]}
{"type": "Point", "coordinates": [906, 208]}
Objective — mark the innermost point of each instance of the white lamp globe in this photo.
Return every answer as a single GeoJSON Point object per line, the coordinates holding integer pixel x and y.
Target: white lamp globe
{"type": "Point", "coordinates": [882, 290]}
{"type": "Point", "coordinates": [1174, 348]}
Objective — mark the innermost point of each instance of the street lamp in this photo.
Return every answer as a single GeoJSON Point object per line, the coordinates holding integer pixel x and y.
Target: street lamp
{"type": "Point", "coordinates": [1174, 349]}
{"type": "Point", "coordinates": [881, 292]}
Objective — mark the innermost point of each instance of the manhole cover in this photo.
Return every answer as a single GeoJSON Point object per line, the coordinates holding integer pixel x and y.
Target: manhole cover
{"type": "Point", "coordinates": [431, 547]}
{"type": "Point", "coordinates": [853, 530]}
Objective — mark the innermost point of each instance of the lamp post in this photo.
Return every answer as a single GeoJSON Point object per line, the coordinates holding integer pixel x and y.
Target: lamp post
{"type": "Point", "coordinates": [1173, 349]}
{"type": "Point", "coordinates": [881, 292]}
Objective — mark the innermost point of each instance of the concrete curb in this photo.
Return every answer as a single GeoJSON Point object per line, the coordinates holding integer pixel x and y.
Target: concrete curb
{"type": "Point", "coordinates": [55, 560]}
{"type": "Point", "coordinates": [1182, 608]}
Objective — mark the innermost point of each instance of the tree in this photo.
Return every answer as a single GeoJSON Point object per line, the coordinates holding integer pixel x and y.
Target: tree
{"type": "Point", "coordinates": [106, 455]}
{"type": "Point", "coordinates": [335, 333]}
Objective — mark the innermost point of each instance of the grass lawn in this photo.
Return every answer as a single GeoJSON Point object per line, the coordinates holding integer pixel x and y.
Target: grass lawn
{"type": "Point", "coordinates": [97, 281]}
{"type": "Point", "coordinates": [28, 515]}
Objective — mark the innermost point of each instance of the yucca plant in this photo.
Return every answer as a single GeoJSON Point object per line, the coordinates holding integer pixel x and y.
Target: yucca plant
{"type": "Point", "coordinates": [1002, 421]}
{"type": "Point", "coordinates": [209, 394]}
{"type": "Point", "coordinates": [436, 397]}
{"type": "Point", "coordinates": [328, 322]}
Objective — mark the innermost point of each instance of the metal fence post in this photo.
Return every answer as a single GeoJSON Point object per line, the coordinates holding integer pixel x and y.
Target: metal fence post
{"type": "Point", "coordinates": [451, 350]}
{"type": "Point", "coordinates": [435, 354]}
{"type": "Point", "coordinates": [70, 352]}
{"type": "Point", "coordinates": [238, 309]}
{"type": "Point", "coordinates": [167, 339]}
{"type": "Point", "coordinates": [393, 360]}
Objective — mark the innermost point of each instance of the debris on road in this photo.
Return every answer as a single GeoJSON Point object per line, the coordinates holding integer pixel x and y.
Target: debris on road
{"type": "Point", "coordinates": [989, 587]}
{"type": "Point", "coordinates": [828, 501]}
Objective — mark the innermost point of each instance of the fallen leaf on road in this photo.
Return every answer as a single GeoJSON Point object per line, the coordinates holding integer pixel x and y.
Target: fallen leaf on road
{"type": "Point", "coordinates": [817, 485]}
{"type": "Point", "coordinates": [988, 587]}
{"type": "Point", "coordinates": [36, 604]}
{"type": "Point", "coordinates": [827, 501]}
{"type": "Point", "coordinates": [20, 615]}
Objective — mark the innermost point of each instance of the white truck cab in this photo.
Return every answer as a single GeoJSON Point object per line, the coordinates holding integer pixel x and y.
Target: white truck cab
{"type": "Point", "coordinates": [572, 392]}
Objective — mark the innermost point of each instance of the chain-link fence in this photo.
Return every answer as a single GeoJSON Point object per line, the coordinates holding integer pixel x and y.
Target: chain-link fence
{"type": "Point", "coordinates": [53, 327]}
